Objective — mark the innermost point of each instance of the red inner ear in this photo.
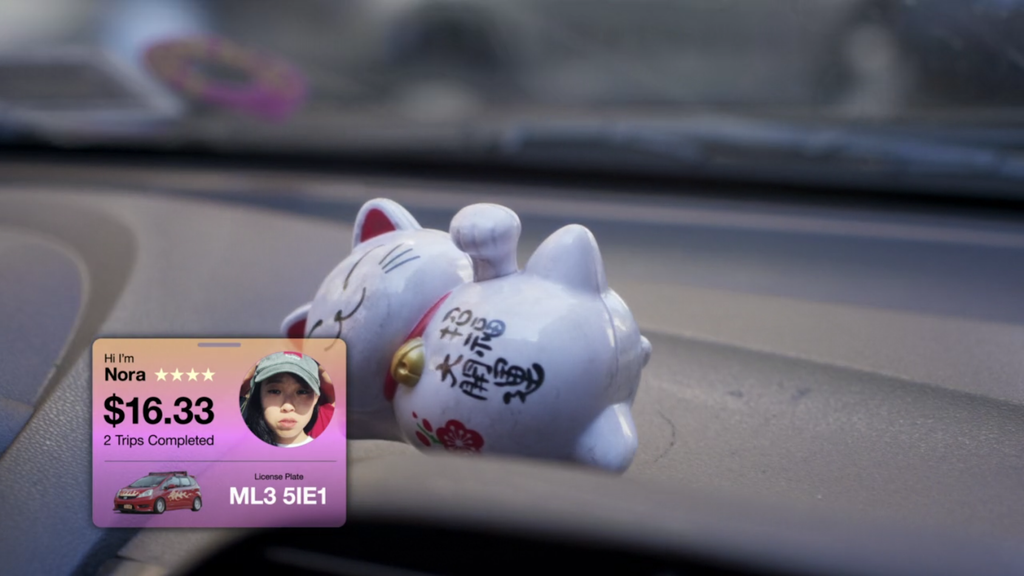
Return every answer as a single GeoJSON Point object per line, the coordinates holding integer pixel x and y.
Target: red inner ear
{"type": "Point", "coordinates": [297, 330]}
{"type": "Point", "coordinates": [375, 224]}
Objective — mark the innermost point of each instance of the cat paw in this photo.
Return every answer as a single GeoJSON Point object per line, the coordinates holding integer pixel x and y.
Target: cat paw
{"type": "Point", "coordinates": [610, 442]}
{"type": "Point", "coordinates": [489, 233]}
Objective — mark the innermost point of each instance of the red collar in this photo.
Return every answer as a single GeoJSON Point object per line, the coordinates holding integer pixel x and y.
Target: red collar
{"type": "Point", "coordinates": [390, 385]}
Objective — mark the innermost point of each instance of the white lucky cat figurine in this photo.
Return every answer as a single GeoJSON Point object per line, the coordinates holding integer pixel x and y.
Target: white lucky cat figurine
{"type": "Point", "coordinates": [543, 362]}
{"type": "Point", "coordinates": [372, 300]}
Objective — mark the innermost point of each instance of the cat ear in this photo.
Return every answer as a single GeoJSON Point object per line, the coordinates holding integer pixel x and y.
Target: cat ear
{"type": "Point", "coordinates": [380, 216]}
{"type": "Point", "coordinates": [294, 324]}
{"type": "Point", "coordinates": [570, 257]}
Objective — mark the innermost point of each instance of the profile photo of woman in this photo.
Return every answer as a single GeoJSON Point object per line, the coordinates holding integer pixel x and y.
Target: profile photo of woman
{"type": "Point", "coordinates": [283, 399]}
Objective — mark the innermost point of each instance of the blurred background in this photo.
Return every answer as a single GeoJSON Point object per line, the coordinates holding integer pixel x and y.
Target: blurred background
{"type": "Point", "coordinates": [402, 64]}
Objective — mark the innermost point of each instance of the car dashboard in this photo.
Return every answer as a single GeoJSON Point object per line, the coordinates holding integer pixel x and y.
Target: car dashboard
{"type": "Point", "coordinates": [833, 389]}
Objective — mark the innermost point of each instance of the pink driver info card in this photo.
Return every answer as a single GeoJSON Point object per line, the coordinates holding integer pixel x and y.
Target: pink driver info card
{"type": "Point", "coordinates": [218, 433]}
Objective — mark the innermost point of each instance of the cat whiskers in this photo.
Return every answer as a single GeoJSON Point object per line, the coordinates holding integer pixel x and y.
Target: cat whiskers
{"type": "Point", "coordinates": [390, 265]}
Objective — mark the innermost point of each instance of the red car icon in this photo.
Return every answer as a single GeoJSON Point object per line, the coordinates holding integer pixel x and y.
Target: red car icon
{"type": "Point", "coordinates": [160, 491]}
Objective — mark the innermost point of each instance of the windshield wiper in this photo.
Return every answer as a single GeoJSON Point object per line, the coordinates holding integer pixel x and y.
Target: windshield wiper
{"type": "Point", "coordinates": [754, 150]}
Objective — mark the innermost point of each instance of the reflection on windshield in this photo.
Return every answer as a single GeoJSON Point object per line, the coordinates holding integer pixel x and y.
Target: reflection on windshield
{"type": "Point", "coordinates": [320, 68]}
{"type": "Point", "coordinates": [147, 482]}
{"type": "Point", "coordinates": [127, 27]}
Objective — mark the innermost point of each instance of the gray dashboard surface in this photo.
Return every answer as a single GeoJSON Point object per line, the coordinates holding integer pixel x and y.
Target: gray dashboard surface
{"type": "Point", "coordinates": [41, 301]}
{"type": "Point", "coordinates": [861, 367]}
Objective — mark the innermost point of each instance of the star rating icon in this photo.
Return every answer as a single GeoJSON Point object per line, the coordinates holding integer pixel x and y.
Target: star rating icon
{"type": "Point", "coordinates": [192, 374]}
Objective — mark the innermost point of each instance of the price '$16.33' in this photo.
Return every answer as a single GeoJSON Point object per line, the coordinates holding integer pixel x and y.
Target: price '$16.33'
{"type": "Point", "coordinates": [200, 412]}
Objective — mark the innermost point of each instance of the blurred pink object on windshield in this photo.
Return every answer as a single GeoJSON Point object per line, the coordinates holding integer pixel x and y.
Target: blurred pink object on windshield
{"type": "Point", "coordinates": [274, 90]}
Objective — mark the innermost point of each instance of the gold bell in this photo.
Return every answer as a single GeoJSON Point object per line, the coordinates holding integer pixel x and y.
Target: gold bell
{"type": "Point", "coordinates": [407, 364]}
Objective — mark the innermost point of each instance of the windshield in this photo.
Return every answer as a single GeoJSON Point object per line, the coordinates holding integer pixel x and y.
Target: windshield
{"type": "Point", "coordinates": [720, 84]}
{"type": "Point", "coordinates": [147, 482]}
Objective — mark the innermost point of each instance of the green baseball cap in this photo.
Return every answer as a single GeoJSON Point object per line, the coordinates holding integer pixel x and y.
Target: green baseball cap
{"type": "Point", "coordinates": [299, 364]}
